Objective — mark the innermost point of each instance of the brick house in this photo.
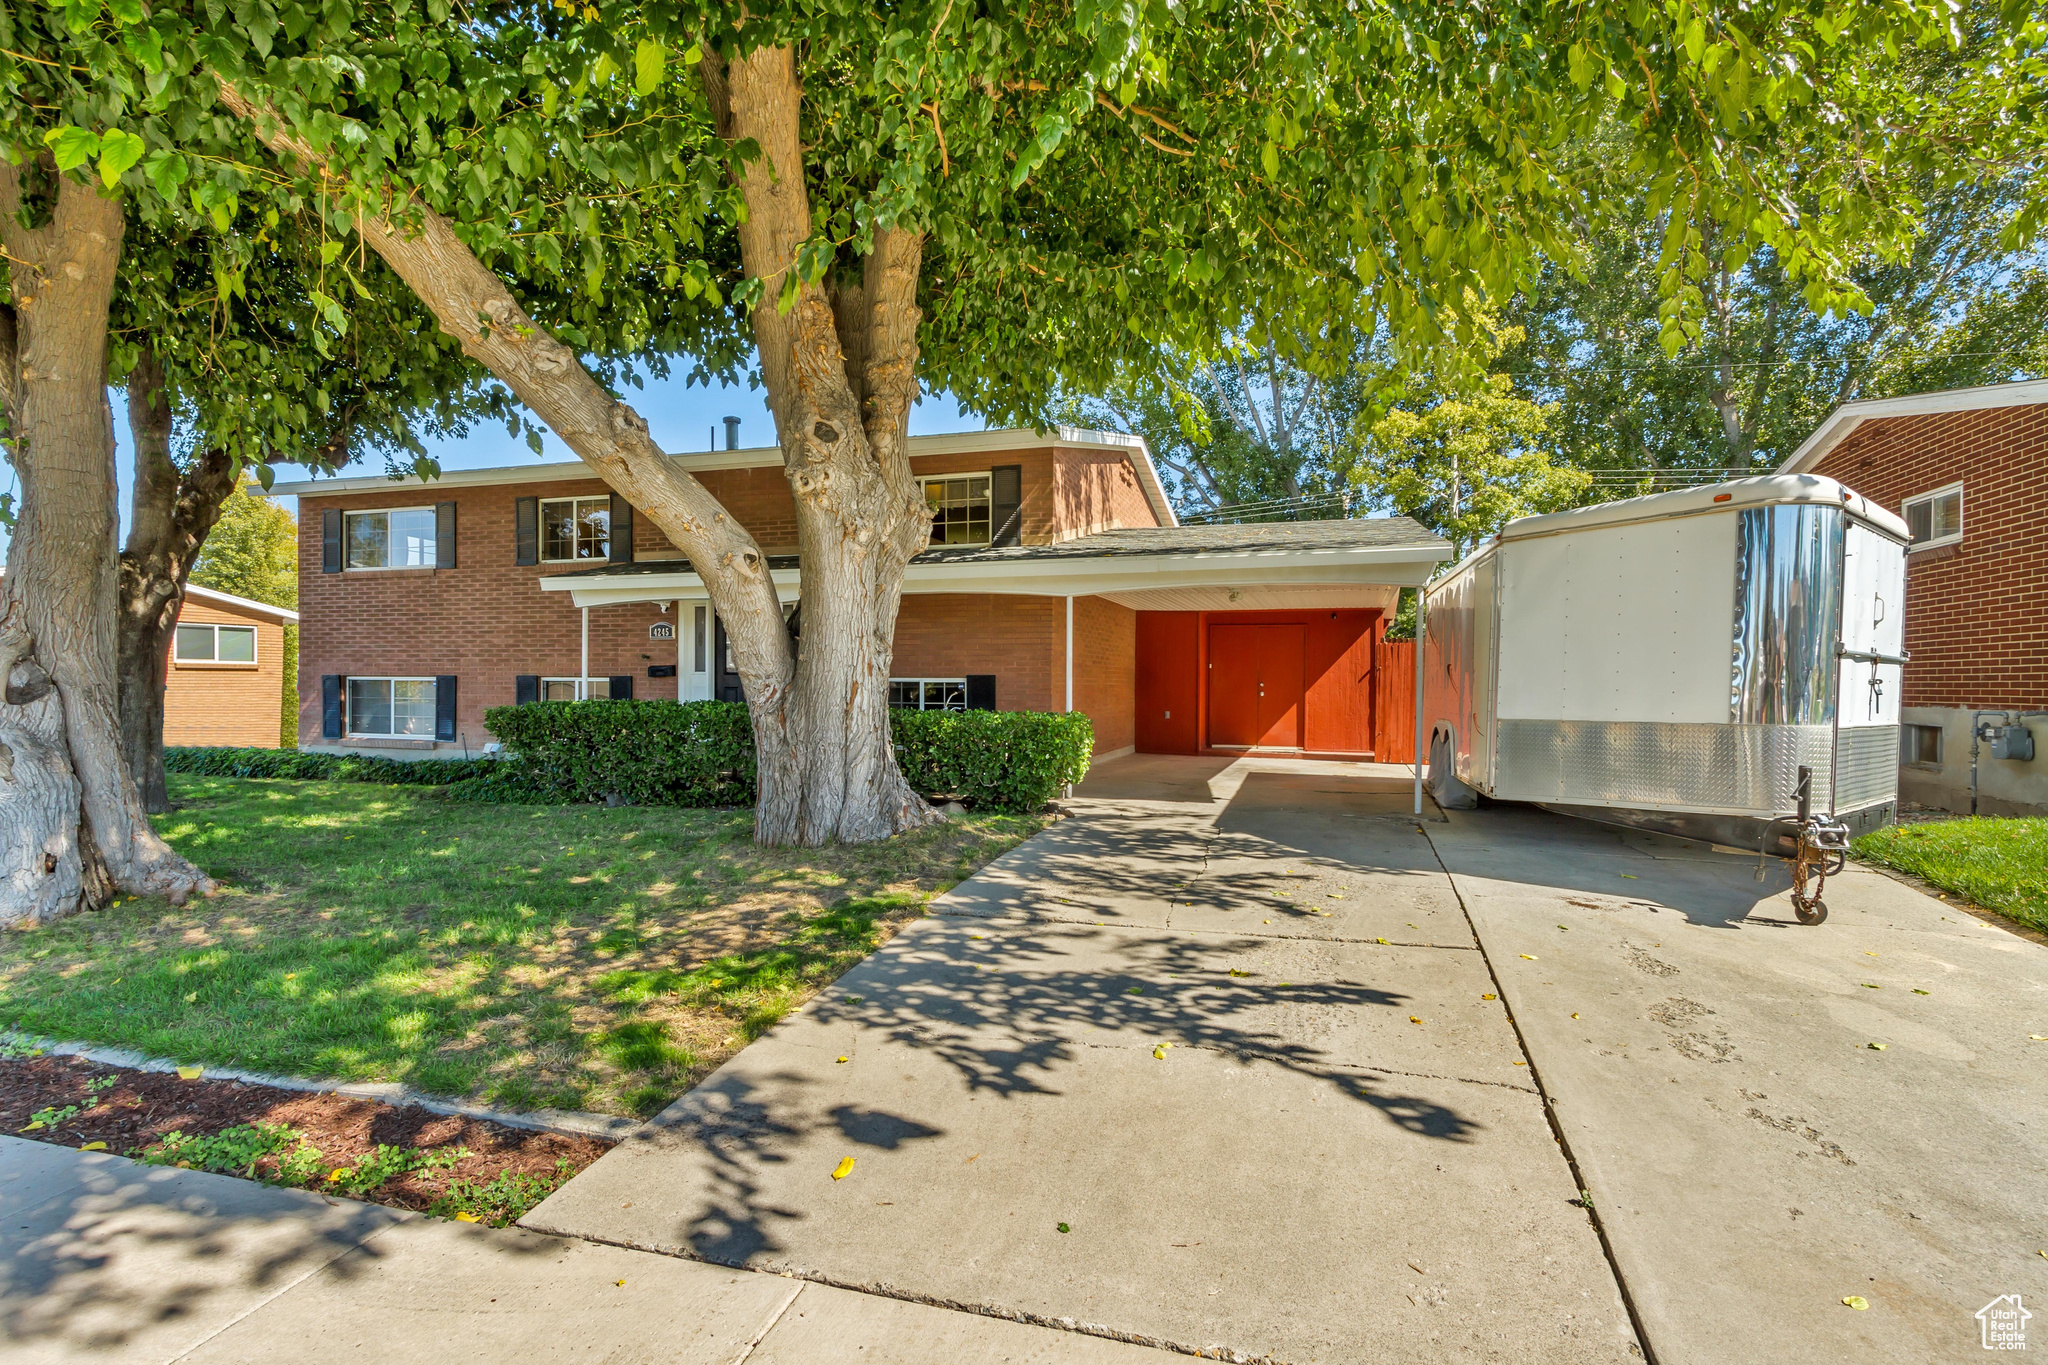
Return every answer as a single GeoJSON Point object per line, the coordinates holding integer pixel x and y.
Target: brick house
{"type": "Point", "coordinates": [1968, 470]}
{"type": "Point", "coordinates": [224, 671]}
{"type": "Point", "coordinates": [1058, 579]}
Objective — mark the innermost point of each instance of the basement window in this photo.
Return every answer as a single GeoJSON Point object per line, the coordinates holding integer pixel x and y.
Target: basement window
{"type": "Point", "coordinates": [391, 708]}
{"type": "Point", "coordinates": [573, 529]}
{"type": "Point", "coordinates": [928, 694]}
{"type": "Point", "coordinates": [207, 644]}
{"type": "Point", "coordinates": [1920, 746]}
{"type": "Point", "coordinates": [960, 509]}
{"type": "Point", "coordinates": [1935, 518]}
{"type": "Point", "coordinates": [573, 689]}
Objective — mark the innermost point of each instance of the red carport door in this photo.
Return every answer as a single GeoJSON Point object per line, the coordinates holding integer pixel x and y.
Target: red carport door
{"type": "Point", "coordinates": [1255, 686]}
{"type": "Point", "coordinates": [1280, 650]}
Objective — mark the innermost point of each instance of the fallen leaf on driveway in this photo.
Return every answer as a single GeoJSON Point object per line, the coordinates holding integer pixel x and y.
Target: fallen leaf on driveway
{"type": "Point", "coordinates": [1135, 990]}
{"type": "Point", "coordinates": [839, 1172]}
{"type": "Point", "coordinates": [1063, 1227]}
{"type": "Point", "coordinates": [1575, 1014]}
{"type": "Point", "coordinates": [1235, 972]}
{"type": "Point", "coordinates": [842, 1059]}
{"type": "Point", "coordinates": [94, 1147]}
{"type": "Point", "coordinates": [1631, 876]}
{"type": "Point", "coordinates": [1870, 985]}
{"type": "Point", "coordinates": [1413, 1020]}
{"type": "Point", "coordinates": [1877, 1047]}
{"type": "Point", "coordinates": [1160, 1051]}
{"type": "Point", "coordinates": [1857, 1301]}
{"type": "Point", "coordinates": [1918, 991]}
{"type": "Point", "coordinates": [1528, 957]}
{"type": "Point", "coordinates": [1489, 996]}
{"type": "Point", "coordinates": [2038, 1037]}
{"type": "Point", "coordinates": [465, 1218]}
{"type": "Point", "coordinates": [1379, 940]}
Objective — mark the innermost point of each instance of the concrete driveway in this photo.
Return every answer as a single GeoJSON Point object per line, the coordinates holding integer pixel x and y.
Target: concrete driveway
{"type": "Point", "coordinates": [1214, 1065]}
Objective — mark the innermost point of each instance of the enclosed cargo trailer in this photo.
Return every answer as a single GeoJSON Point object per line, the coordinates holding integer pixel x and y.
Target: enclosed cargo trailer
{"type": "Point", "coordinates": [1720, 663]}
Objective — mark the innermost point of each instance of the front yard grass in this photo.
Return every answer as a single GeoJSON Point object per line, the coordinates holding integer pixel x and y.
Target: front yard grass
{"type": "Point", "coordinates": [2001, 865]}
{"type": "Point", "coordinates": [573, 957]}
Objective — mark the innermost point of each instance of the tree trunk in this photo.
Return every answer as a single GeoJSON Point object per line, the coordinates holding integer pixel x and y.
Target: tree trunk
{"type": "Point", "coordinates": [840, 384]}
{"type": "Point", "coordinates": [61, 585]}
{"type": "Point", "coordinates": [173, 510]}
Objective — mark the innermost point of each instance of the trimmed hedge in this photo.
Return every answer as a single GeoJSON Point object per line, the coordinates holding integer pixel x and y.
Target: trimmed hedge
{"type": "Point", "coordinates": [290, 763]}
{"type": "Point", "coordinates": [701, 753]}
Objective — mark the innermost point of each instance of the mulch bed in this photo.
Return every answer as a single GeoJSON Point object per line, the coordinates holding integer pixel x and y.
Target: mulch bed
{"type": "Point", "coordinates": [142, 1106]}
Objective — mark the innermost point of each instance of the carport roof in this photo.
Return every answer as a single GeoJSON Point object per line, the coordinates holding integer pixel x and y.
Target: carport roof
{"type": "Point", "coordinates": [1381, 551]}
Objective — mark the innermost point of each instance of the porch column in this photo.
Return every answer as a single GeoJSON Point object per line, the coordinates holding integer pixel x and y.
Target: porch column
{"type": "Point", "coordinates": [1070, 653]}
{"type": "Point", "coordinates": [1421, 607]}
{"type": "Point", "coordinates": [583, 672]}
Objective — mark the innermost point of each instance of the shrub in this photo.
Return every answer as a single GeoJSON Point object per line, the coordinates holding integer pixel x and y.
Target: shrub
{"type": "Point", "coordinates": [701, 753]}
{"type": "Point", "coordinates": [290, 763]}
{"type": "Point", "coordinates": [651, 753]}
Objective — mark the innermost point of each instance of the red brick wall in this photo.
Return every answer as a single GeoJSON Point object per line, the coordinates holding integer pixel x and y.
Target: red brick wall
{"type": "Point", "coordinates": [1019, 639]}
{"type": "Point", "coordinates": [1976, 610]}
{"type": "Point", "coordinates": [1105, 670]}
{"type": "Point", "coordinates": [1094, 490]}
{"type": "Point", "coordinates": [237, 704]}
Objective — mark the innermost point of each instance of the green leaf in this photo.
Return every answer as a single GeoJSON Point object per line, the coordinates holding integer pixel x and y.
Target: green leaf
{"type": "Point", "coordinates": [125, 11]}
{"type": "Point", "coordinates": [329, 249]}
{"type": "Point", "coordinates": [166, 170]}
{"type": "Point", "coordinates": [1269, 157]}
{"type": "Point", "coordinates": [73, 146]}
{"type": "Point", "coordinates": [648, 60]}
{"type": "Point", "coordinates": [119, 149]}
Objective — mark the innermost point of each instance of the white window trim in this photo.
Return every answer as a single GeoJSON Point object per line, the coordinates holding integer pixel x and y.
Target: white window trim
{"type": "Point", "coordinates": [347, 567]}
{"type": "Point", "coordinates": [582, 686]}
{"type": "Point", "coordinates": [543, 531]}
{"type": "Point", "coordinates": [349, 712]}
{"type": "Point", "coordinates": [989, 474]}
{"type": "Point", "coordinates": [255, 645]}
{"type": "Point", "coordinates": [961, 681]}
{"type": "Point", "coordinates": [1935, 495]}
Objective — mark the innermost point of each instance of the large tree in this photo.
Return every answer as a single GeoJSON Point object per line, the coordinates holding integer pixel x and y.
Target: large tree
{"type": "Point", "coordinates": [996, 200]}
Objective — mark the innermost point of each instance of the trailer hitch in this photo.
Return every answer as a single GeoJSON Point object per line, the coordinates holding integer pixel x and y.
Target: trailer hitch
{"type": "Point", "coordinates": [1820, 851]}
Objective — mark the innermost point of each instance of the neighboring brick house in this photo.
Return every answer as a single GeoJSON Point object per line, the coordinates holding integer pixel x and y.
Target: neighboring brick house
{"type": "Point", "coordinates": [1058, 579]}
{"type": "Point", "coordinates": [1968, 469]}
{"type": "Point", "coordinates": [224, 672]}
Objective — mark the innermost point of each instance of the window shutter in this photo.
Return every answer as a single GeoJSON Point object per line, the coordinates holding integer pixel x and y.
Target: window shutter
{"type": "Point", "coordinates": [1006, 504]}
{"type": "Point", "coordinates": [330, 706]}
{"type": "Point", "coordinates": [330, 540]}
{"type": "Point", "coordinates": [526, 542]}
{"type": "Point", "coordinates": [526, 689]}
{"type": "Point", "coordinates": [622, 686]}
{"type": "Point", "coordinates": [444, 535]}
{"type": "Point", "coordinates": [981, 691]}
{"type": "Point", "coordinates": [444, 707]}
{"type": "Point", "coordinates": [621, 551]}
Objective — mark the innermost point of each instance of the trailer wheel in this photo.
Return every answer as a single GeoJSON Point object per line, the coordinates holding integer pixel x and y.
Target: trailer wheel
{"type": "Point", "coordinates": [1815, 912]}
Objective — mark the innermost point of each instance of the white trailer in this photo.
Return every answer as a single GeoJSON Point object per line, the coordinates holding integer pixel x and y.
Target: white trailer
{"type": "Point", "coordinates": [1680, 662]}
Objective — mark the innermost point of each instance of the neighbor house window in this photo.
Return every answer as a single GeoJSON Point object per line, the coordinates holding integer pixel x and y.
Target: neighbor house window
{"type": "Point", "coordinates": [400, 538]}
{"type": "Point", "coordinates": [928, 694]}
{"type": "Point", "coordinates": [1920, 745]}
{"type": "Point", "coordinates": [960, 509]}
{"type": "Point", "coordinates": [392, 708]}
{"type": "Point", "coordinates": [575, 528]}
{"type": "Point", "coordinates": [198, 644]}
{"type": "Point", "coordinates": [573, 689]}
{"type": "Point", "coordinates": [1935, 518]}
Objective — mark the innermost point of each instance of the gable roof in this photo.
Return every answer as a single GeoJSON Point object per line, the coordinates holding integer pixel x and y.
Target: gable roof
{"type": "Point", "coordinates": [1849, 416]}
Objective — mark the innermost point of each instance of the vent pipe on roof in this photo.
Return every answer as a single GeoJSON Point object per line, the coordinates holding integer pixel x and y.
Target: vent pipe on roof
{"type": "Point", "coordinates": [732, 433]}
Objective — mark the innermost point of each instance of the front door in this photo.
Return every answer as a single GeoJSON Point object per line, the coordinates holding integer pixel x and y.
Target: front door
{"type": "Point", "coordinates": [1255, 686]}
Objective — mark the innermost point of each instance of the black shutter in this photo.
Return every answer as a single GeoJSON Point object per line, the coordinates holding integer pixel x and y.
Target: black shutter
{"type": "Point", "coordinates": [526, 540]}
{"type": "Point", "coordinates": [981, 691]}
{"type": "Point", "coordinates": [622, 687]}
{"type": "Point", "coordinates": [444, 707]}
{"type": "Point", "coordinates": [621, 551]}
{"type": "Point", "coordinates": [526, 689]}
{"type": "Point", "coordinates": [330, 540]}
{"type": "Point", "coordinates": [330, 706]}
{"type": "Point", "coordinates": [444, 535]}
{"type": "Point", "coordinates": [1006, 504]}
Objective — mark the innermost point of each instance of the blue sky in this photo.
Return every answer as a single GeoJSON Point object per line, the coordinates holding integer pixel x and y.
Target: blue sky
{"type": "Point", "coordinates": [682, 418]}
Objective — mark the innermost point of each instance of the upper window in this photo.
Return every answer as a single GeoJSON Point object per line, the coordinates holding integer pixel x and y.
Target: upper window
{"type": "Point", "coordinates": [575, 528]}
{"type": "Point", "coordinates": [209, 644]}
{"type": "Point", "coordinates": [1935, 518]}
{"type": "Point", "coordinates": [960, 509]}
{"type": "Point", "coordinates": [401, 538]}
{"type": "Point", "coordinates": [928, 694]}
{"type": "Point", "coordinates": [395, 708]}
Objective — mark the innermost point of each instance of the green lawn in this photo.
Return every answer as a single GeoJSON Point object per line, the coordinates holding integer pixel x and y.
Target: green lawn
{"type": "Point", "coordinates": [2002, 865]}
{"type": "Point", "coordinates": [526, 956]}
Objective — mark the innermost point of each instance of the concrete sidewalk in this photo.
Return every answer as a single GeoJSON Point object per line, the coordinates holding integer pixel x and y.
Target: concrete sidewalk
{"type": "Point", "coordinates": [1214, 1065]}
{"type": "Point", "coordinates": [1753, 1159]}
{"type": "Point", "coordinates": [102, 1260]}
